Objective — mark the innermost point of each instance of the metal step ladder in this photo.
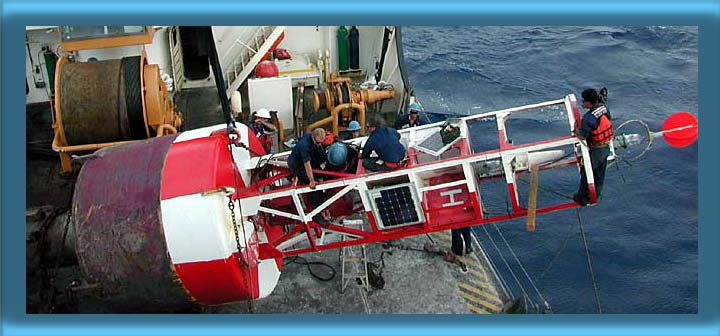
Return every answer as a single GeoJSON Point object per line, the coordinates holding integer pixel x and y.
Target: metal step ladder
{"type": "Point", "coordinates": [251, 55]}
{"type": "Point", "coordinates": [354, 259]}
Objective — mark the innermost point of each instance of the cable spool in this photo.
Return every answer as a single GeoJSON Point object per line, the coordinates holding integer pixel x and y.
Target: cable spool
{"type": "Point", "coordinates": [101, 101]}
{"type": "Point", "coordinates": [345, 93]}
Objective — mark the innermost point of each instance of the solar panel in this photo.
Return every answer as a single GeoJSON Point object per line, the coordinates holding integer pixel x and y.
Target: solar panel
{"type": "Point", "coordinates": [395, 206]}
{"type": "Point", "coordinates": [433, 144]}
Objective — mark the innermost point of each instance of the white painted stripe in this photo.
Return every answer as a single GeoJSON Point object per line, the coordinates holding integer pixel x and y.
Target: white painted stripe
{"type": "Point", "coordinates": [199, 228]}
{"type": "Point", "coordinates": [198, 133]}
{"type": "Point", "coordinates": [240, 155]}
{"type": "Point", "coordinates": [268, 272]}
{"type": "Point", "coordinates": [268, 276]}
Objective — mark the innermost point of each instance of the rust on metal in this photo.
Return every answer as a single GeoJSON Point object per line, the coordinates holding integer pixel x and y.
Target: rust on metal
{"type": "Point", "coordinates": [119, 233]}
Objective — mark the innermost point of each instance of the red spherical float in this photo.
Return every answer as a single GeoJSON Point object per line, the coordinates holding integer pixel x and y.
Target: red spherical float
{"type": "Point", "coordinates": [266, 69]}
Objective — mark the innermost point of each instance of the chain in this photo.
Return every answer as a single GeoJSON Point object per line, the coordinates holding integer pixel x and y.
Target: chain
{"type": "Point", "coordinates": [231, 206]}
{"type": "Point", "coordinates": [51, 304]}
{"type": "Point", "coordinates": [246, 270]}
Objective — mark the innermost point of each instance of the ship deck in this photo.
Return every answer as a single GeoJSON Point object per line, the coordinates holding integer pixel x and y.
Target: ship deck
{"type": "Point", "coordinates": [415, 282]}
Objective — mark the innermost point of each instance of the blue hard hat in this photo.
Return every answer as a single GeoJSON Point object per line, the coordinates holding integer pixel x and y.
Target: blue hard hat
{"type": "Point", "coordinates": [353, 126]}
{"type": "Point", "coordinates": [337, 153]}
{"type": "Point", "coordinates": [415, 106]}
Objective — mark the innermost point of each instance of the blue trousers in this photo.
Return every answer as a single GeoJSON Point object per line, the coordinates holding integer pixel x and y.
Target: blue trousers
{"type": "Point", "coordinates": [598, 158]}
{"type": "Point", "coordinates": [459, 237]}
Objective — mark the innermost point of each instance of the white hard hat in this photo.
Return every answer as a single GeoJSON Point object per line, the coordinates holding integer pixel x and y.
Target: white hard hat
{"type": "Point", "coordinates": [263, 113]}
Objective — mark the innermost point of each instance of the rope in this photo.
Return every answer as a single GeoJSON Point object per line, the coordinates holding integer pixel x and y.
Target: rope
{"type": "Point", "coordinates": [589, 263]}
{"type": "Point", "coordinates": [522, 267]}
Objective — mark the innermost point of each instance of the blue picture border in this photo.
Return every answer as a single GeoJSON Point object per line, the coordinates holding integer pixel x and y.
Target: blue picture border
{"type": "Point", "coordinates": [20, 13]}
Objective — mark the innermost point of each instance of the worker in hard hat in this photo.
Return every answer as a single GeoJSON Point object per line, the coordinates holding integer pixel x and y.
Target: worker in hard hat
{"type": "Point", "coordinates": [263, 128]}
{"type": "Point", "coordinates": [353, 131]}
{"type": "Point", "coordinates": [412, 118]}
{"type": "Point", "coordinates": [342, 157]}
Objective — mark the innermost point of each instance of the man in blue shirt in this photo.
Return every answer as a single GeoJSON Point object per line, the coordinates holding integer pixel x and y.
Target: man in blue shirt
{"type": "Point", "coordinates": [307, 154]}
{"type": "Point", "coordinates": [596, 128]}
{"type": "Point", "coordinates": [385, 142]}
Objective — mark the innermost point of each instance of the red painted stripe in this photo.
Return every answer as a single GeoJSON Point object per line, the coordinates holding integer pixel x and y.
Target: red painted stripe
{"type": "Point", "coordinates": [513, 197]}
{"type": "Point", "coordinates": [197, 165]}
{"type": "Point", "coordinates": [218, 281]}
{"type": "Point", "coordinates": [503, 140]}
{"type": "Point", "coordinates": [593, 192]}
{"type": "Point", "coordinates": [576, 113]}
{"type": "Point", "coordinates": [371, 219]}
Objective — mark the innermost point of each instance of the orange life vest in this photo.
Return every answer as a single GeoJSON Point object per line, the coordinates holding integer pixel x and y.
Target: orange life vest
{"type": "Point", "coordinates": [329, 139]}
{"type": "Point", "coordinates": [603, 134]}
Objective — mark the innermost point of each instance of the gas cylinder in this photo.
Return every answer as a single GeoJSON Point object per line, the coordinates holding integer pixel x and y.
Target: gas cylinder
{"type": "Point", "coordinates": [266, 69]}
{"type": "Point", "coordinates": [342, 42]}
{"type": "Point", "coordinates": [50, 60]}
{"type": "Point", "coordinates": [354, 41]}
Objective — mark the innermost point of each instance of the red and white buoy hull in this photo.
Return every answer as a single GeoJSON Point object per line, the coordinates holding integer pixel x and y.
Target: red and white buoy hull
{"type": "Point", "coordinates": [157, 227]}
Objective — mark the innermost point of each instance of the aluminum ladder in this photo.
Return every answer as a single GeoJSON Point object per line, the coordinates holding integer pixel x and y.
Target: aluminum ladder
{"type": "Point", "coordinates": [245, 62]}
{"type": "Point", "coordinates": [354, 260]}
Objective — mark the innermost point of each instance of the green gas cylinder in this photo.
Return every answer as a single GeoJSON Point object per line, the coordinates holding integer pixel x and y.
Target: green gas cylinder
{"type": "Point", "coordinates": [50, 60]}
{"type": "Point", "coordinates": [342, 42]}
{"type": "Point", "coordinates": [354, 42]}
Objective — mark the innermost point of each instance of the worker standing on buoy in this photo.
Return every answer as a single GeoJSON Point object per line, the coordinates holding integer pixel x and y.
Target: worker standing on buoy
{"type": "Point", "coordinates": [596, 128]}
{"type": "Point", "coordinates": [411, 119]}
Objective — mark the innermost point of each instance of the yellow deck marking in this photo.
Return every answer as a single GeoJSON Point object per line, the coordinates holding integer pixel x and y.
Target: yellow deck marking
{"type": "Point", "coordinates": [478, 273]}
{"type": "Point", "coordinates": [492, 307]}
{"type": "Point", "coordinates": [480, 283]}
{"type": "Point", "coordinates": [479, 291]}
{"type": "Point", "coordinates": [477, 310]}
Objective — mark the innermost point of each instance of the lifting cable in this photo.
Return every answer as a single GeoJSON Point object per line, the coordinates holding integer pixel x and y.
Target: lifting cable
{"type": "Point", "coordinates": [502, 256]}
{"type": "Point", "coordinates": [231, 130]}
{"type": "Point", "coordinates": [547, 306]}
{"type": "Point", "coordinates": [506, 289]}
{"type": "Point", "coordinates": [589, 263]}
{"type": "Point", "coordinates": [557, 254]}
{"type": "Point", "coordinates": [522, 288]}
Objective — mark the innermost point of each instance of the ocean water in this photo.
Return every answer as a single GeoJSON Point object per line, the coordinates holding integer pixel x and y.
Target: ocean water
{"type": "Point", "coordinates": [643, 236]}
